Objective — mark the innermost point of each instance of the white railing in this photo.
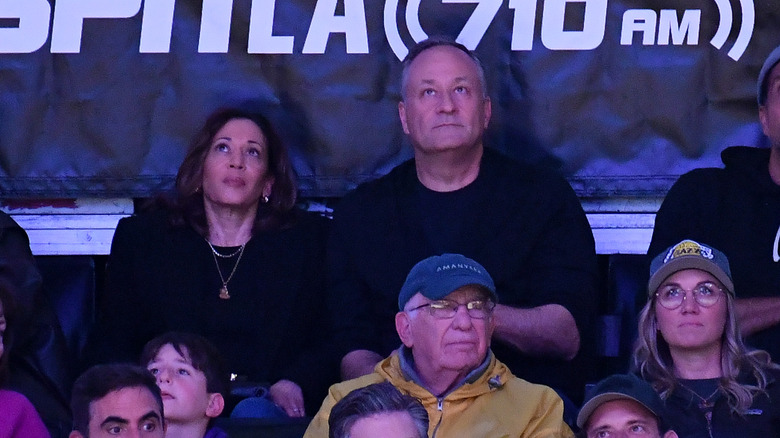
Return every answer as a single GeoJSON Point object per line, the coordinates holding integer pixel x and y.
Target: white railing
{"type": "Point", "coordinates": [86, 226]}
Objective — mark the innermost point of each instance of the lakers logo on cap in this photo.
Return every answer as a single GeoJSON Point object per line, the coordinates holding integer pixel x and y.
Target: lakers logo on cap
{"type": "Point", "coordinates": [688, 248]}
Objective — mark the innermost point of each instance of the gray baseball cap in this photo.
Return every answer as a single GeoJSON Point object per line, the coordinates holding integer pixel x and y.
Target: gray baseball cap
{"type": "Point", "coordinates": [689, 254]}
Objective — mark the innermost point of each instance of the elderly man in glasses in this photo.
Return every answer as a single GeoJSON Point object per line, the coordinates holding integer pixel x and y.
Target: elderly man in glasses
{"type": "Point", "coordinates": [445, 323]}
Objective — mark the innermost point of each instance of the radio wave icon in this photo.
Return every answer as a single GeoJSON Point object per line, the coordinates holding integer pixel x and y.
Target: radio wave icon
{"type": "Point", "coordinates": [470, 35]}
{"type": "Point", "coordinates": [726, 21]}
{"type": "Point", "coordinates": [412, 23]}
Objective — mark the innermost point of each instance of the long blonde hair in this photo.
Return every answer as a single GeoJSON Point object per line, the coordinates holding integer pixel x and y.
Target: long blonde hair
{"type": "Point", "coordinates": [653, 360]}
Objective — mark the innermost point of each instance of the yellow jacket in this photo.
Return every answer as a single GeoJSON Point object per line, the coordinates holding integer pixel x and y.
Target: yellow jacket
{"type": "Point", "coordinates": [496, 405]}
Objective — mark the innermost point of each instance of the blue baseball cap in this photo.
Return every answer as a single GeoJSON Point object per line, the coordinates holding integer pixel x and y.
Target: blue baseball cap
{"type": "Point", "coordinates": [438, 276]}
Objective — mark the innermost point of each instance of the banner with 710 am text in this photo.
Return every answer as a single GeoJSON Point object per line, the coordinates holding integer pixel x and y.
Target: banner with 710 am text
{"type": "Point", "coordinates": [101, 98]}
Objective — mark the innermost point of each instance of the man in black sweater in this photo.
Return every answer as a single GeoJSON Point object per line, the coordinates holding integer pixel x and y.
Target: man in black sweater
{"type": "Point", "coordinates": [524, 224]}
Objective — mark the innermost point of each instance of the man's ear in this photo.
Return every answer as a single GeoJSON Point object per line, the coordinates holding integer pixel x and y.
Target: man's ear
{"type": "Point", "coordinates": [763, 117]}
{"type": "Point", "coordinates": [402, 116]}
{"type": "Point", "coordinates": [403, 326]}
{"type": "Point", "coordinates": [75, 434]}
{"type": "Point", "coordinates": [488, 112]}
{"type": "Point", "coordinates": [491, 326]}
{"type": "Point", "coordinates": [671, 434]}
{"type": "Point", "coordinates": [216, 405]}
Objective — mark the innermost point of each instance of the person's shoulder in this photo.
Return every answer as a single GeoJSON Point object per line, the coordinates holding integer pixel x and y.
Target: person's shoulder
{"type": "Point", "coordinates": [215, 432]}
{"type": "Point", "coordinates": [516, 185]}
{"type": "Point", "coordinates": [524, 388]}
{"type": "Point", "coordinates": [147, 219]}
{"type": "Point", "coordinates": [514, 385]}
{"type": "Point", "coordinates": [6, 221]}
{"type": "Point", "coordinates": [704, 186]}
{"type": "Point", "coordinates": [310, 218]}
{"type": "Point", "coordinates": [19, 404]}
{"type": "Point", "coordinates": [772, 389]}
{"type": "Point", "coordinates": [400, 174]}
{"type": "Point", "coordinates": [773, 375]}
{"type": "Point", "coordinates": [341, 389]}
{"type": "Point", "coordinates": [373, 195]}
{"type": "Point", "coordinates": [518, 174]}
{"type": "Point", "coordinates": [306, 223]}
{"type": "Point", "coordinates": [8, 227]}
{"type": "Point", "coordinates": [149, 227]}
{"type": "Point", "coordinates": [14, 398]}
{"type": "Point", "coordinates": [21, 413]}
{"type": "Point", "coordinates": [741, 162]}
{"type": "Point", "coordinates": [702, 176]}
{"type": "Point", "coordinates": [747, 158]}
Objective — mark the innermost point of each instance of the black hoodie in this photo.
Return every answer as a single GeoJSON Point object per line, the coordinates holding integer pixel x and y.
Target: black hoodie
{"type": "Point", "coordinates": [735, 210]}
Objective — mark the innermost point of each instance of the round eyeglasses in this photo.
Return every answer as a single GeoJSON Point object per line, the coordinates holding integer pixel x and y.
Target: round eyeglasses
{"type": "Point", "coordinates": [446, 309]}
{"type": "Point", "coordinates": [705, 294]}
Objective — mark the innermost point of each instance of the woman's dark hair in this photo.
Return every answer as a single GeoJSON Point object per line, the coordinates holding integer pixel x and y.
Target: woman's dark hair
{"type": "Point", "coordinates": [188, 206]}
{"type": "Point", "coordinates": [9, 311]}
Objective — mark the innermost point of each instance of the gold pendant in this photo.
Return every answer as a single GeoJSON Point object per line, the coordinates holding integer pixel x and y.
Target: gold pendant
{"type": "Point", "coordinates": [223, 293]}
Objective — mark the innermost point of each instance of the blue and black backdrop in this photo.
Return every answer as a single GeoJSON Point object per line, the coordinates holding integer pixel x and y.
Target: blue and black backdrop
{"type": "Point", "coordinates": [101, 97]}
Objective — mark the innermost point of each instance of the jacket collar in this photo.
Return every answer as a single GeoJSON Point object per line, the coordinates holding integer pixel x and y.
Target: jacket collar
{"type": "Point", "coordinates": [409, 371]}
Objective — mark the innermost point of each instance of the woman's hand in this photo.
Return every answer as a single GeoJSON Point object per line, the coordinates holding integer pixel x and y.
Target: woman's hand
{"type": "Point", "coordinates": [288, 396]}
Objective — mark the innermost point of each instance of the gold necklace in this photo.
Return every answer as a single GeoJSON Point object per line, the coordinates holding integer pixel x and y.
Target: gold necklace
{"type": "Point", "coordinates": [705, 403]}
{"type": "Point", "coordinates": [224, 256]}
{"type": "Point", "coordinates": [223, 291]}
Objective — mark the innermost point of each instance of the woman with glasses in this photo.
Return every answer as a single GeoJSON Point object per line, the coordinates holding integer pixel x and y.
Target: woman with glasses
{"type": "Point", "coordinates": [690, 349]}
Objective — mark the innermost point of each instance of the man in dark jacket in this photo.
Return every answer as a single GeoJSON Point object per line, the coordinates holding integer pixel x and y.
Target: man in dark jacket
{"type": "Point", "coordinates": [737, 209]}
{"type": "Point", "coordinates": [39, 366]}
{"type": "Point", "coordinates": [523, 223]}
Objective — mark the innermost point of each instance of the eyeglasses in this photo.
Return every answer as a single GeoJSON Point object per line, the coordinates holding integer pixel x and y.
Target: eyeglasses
{"type": "Point", "coordinates": [706, 295]}
{"type": "Point", "coordinates": [446, 309]}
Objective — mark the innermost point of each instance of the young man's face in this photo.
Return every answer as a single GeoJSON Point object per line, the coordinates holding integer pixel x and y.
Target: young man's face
{"type": "Point", "coordinates": [624, 418]}
{"type": "Point", "coordinates": [184, 388]}
{"type": "Point", "coordinates": [127, 412]}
